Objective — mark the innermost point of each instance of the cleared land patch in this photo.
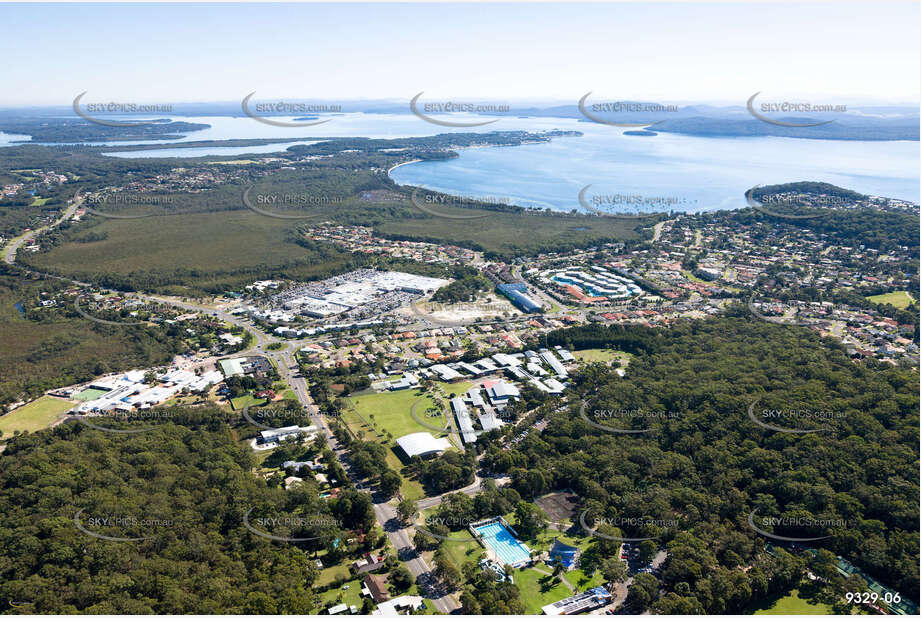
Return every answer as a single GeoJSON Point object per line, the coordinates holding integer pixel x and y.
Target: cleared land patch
{"type": "Point", "coordinates": [899, 299]}
{"type": "Point", "coordinates": [601, 356]}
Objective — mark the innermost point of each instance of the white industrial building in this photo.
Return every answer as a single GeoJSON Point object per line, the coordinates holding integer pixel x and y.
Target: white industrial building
{"type": "Point", "coordinates": [565, 354]}
{"type": "Point", "coordinates": [128, 391]}
{"type": "Point", "coordinates": [353, 290]}
{"type": "Point", "coordinates": [554, 387]}
{"type": "Point", "coordinates": [422, 444]}
{"type": "Point", "coordinates": [270, 438]}
{"type": "Point", "coordinates": [403, 605]}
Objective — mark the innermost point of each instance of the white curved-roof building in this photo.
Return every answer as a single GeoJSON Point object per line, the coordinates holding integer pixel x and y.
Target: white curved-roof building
{"type": "Point", "coordinates": [422, 444]}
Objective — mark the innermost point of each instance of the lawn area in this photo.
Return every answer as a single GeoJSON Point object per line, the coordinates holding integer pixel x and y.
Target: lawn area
{"type": "Point", "coordinates": [581, 581]}
{"type": "Point", "coordinates": [537, 589]}
{"type": "Point", "coordinates": [598, 355]}
{"type": "Point", "coordinates": [33, 416]}
{"type": "Point", "coordinates": [458, 388]}
{"type": "Point", "coordinates": [352, 596]}
{"type": "Point", "coordinates": [900, 299]}
{"type": "Point", "coordinates": [328, 575]}
{"type": "Point", "coordinates": [545, 539]}
{"type": "Point", "coordinates": [462, 553]}
{"type": "Point", "coordinates": [240, 402]}
{"type": "Point", "coordinates": [410, 489]}
{"type": "Point", "coordinates": [260, 456]}
{"type": "Point", "coordinates": [692, 277]}
{"type": "Point", "coordinates": [793, 604]}
{"type": "Point", "coordinates": [335, 596]}
{"type": "Point", "coordinates": [281, 388]}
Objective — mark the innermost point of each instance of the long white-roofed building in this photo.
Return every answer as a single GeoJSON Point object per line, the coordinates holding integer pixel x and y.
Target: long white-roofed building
{"type": "Point", "coordinates": [555, 364]}
{"type": "Point", "coordinates": [468, 433]}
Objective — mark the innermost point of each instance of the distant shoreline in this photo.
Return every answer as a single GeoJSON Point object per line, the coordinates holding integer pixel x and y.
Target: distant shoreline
{"type": "Point", "coordinates": [461, 148]}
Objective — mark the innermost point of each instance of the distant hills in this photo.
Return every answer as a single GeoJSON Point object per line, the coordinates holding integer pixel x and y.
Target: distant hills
{"type": "Point", "coordinates": [867, 122]}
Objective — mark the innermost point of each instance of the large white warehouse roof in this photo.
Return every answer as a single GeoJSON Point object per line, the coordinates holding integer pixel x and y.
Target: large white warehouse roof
{"type": "Point", "coordinates": [422, 444]}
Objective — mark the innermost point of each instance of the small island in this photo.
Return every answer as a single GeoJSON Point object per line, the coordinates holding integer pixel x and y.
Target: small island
{"type": "Point", "coordinates": [641, 133]}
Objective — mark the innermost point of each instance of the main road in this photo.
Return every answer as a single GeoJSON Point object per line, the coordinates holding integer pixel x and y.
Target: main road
{"type": "Point", "coordinates": [285, 360]}
{"type": "Point", "coordinates": [384, 512]}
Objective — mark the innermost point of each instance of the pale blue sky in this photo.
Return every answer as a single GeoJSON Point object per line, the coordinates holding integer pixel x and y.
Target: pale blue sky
{"type": "Point", "coordinates": [669, 52]}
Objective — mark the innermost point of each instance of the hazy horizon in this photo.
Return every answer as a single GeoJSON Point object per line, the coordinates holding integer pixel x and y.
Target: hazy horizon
{"type": "Point", "coordinates": [706, 54]}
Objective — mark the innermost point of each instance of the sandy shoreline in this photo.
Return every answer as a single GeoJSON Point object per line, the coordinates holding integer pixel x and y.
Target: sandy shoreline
{"type": "Point", "coordinates": [401, 164]}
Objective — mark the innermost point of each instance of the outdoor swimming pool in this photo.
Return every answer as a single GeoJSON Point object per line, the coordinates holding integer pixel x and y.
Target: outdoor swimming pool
{"type": "Point", "coordinates": [508, 549]}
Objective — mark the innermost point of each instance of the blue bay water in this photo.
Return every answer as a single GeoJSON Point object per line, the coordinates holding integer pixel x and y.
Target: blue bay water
{"type": "Point", "coordinates": [689, 173]}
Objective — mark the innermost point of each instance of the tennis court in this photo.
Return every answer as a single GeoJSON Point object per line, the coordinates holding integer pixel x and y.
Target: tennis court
{"type": "Point", "coordinates": [89, 394]}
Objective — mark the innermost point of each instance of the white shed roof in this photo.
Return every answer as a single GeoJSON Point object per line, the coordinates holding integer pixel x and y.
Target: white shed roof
{"type": "Point", "coordinates": [422, 443]}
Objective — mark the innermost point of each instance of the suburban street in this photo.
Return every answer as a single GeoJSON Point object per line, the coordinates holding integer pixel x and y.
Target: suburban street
{"type": "Point", "coordinates": [9, 253]}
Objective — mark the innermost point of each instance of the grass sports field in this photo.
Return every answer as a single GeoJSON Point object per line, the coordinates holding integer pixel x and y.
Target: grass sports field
{"type": "Point", "coordinates": [896, 299]}
{"type": "Point", "coordinates": [391, 410]}
{"type": "Point", "coordinates": [89, 394]}
{"type": "Point", "coordinates": [33, 416]}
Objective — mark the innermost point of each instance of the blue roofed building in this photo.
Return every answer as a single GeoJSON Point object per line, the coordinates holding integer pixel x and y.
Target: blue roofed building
{"type": "Point", "coordinates": [566, 554]}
